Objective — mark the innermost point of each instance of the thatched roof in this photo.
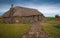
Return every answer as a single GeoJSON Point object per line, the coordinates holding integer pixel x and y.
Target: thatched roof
{"type": "Point", "coordinates": [22, 11]}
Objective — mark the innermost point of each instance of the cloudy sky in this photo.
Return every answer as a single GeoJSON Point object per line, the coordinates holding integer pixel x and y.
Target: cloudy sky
{"type": "Point", "coordinates": [47, 7]}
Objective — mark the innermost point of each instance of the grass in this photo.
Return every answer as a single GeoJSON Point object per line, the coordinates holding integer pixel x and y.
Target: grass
{"type": "Point", "coordinates": [51, 31]}
{"type": "Point", "coordinates": [13, 30]}
{"type": "Point", "coordinates": [57, 26]}
{"type": "Point", "coordinates": [1, 22]}
{"type": "Point", "coordinates": [52, 27]}
{"type": "Point", "coordinates": [52, 20]}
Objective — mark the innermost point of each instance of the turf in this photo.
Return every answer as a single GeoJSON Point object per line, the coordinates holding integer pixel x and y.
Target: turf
{"type": "Point", "coordinates": [52, 27]}
{"type": "Point", "coordinates": [50, 18]}
{"type": "Point", "coordinates": [57, 26]}
{"type": "Point", "coordinates": [1, 22]}
{"type": "Point", "coordinates": [51, 30]}
{"type": "Point", "coordinates": [13, 30]}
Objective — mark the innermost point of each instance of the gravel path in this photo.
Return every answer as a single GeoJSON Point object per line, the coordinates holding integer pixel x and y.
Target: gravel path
{"type": "Point", "coordinates": [35, 32]}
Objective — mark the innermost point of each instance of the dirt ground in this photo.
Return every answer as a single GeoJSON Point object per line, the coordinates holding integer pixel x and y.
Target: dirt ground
{"type": "Point", "coordinates": [35, 32]}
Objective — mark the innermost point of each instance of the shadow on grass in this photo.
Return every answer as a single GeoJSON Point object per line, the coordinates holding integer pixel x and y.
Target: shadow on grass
{"type": "Point", "coordinates": [57, 26]}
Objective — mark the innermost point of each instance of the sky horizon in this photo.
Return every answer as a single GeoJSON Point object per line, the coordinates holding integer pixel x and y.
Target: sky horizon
{"type": "Point", "coordinates": [49, 8]}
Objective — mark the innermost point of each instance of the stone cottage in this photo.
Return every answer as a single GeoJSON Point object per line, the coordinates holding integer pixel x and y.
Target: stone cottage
{"type": "Point", "coordinates": [22, 15]}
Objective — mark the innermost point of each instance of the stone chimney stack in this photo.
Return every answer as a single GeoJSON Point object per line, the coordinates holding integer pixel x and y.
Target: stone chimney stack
{"type": "Point", "coordinates": [11, 5]}
{"type": "Point", "coordinates": [11, 13]}
{"type": "Point", "coordinates": [11, 10]}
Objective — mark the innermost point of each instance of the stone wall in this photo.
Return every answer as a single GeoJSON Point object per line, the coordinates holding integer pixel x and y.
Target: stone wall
{"type": "Point", "coordinates": [24, 19]}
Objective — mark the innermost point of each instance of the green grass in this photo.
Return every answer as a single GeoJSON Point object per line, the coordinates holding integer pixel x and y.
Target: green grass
{"type": "Point", "coordinates": [51, 30]}
{"type": "Point", "coordinates": [52, 27]}
{"type": "Point", "coordinates": [50, 18]}
{"type": "Point", "coordinates": [57, 26]}
{"type": "Point", "coordinates": [13, 30]}
{"type": "Point", "coordinates": [1, 22]}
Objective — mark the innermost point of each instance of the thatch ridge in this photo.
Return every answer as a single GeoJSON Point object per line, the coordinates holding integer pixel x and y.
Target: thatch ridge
{"type": "Point", "coordinates": [22, 11]}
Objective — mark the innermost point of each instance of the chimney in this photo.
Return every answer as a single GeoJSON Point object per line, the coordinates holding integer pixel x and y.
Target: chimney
{"type": "Point", "coordinates": [11, 10]}
{"type": "Point", "coordinates": [11, 5]}
{"type": "Point", "coordinates": [11, 13]}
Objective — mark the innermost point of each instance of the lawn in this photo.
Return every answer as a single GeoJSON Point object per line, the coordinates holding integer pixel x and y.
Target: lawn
{"type": "Point", "coordinates": [52, 20]}
{"type": "Point", "coordinates": [1, 22]}
{"type": "Point", "coordinates": [13, 30]}
{"type": "Point", "coordinates": [52, 27]}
